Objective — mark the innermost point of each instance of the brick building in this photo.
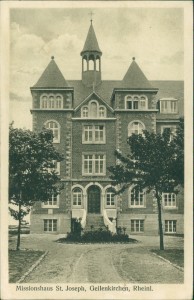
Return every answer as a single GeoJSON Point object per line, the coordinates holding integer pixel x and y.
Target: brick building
{"type": "Point", "coordinates": [90, 118]}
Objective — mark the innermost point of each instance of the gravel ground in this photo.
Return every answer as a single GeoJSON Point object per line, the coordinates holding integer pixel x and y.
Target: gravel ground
{"type": "Point", "coordinates": [101, 263]}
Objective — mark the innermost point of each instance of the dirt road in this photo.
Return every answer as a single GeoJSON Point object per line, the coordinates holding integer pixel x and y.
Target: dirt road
{"type": "Point", "coordinates": [100, 263]}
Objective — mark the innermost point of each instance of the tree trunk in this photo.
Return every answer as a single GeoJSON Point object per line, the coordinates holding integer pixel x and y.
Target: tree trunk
{"type": "Point", "coordinates": [158, 197]}
{"type": "Point", "coordinates": [19, 228]}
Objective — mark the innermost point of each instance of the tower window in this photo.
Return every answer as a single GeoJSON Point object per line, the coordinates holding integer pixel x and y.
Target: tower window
{"type": "Point", "coordinates": [134, 102]}
{"type": "Point", "coordinates": [55, 127]}
{"type": "Point", "coordinates": [135, 127]}
{"type": "Point", "coordinates": [51, 101]}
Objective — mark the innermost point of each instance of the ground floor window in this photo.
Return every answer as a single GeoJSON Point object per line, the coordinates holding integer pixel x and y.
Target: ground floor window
{"type": "Point", "coordinates": [50, 225]}
{"type": "Point", "coordinates": [170, 226]}
{"type": "Point", "coordinates": [137, 225]}
{"type": "Point", "coordinates": [110, 197]}
{"type": "Point", "coordinates": [77, 197]}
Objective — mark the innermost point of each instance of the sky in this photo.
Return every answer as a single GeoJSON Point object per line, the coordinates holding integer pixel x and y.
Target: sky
{"type": "Point", "coordinates": [154, 36]}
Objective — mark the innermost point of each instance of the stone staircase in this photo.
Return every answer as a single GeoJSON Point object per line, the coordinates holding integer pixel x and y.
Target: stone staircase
{"type": "Point", "coordinates": [94, 220]}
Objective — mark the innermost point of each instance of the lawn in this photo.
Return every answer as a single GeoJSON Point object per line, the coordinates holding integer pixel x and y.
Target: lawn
{"type": "Point", "coordinates": [175, 256]}
{"type": "Point", "coordinates": [20, 262]}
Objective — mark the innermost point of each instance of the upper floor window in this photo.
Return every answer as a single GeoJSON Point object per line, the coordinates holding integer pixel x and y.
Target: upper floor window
{"type": "Point", "coordinates": [135, 127]}
{"type": "Point", "coordinates": [51, 101]}
{"type": "Point", "coordinates": [110, 197]}
{"type": "Point", "coordinates": [102, 112]}
{"type": "Point", "coordinates": [93, 134]}
{"type": "Point", "coordinates": [134, 102]}
{"type": "Point", "coordinates": [77, 197]}
{"type": "Point", "coordinates": [52, 201]}
{"type": "Point", "coordinates": [93, 110]}
{"type": "Point", "coordinates": [56, 167]}
{"type": "Point", "coordinates": [85, 112]}
{"type": "Point", "coordinates": [137, 197]}
{"type": "Point", "coordinates": [169, 200]}
{"type": "Point", "coordinates": [55, 127]}
{"type": "Point", "coordinates": [94, 164]}
{"type": "Point", "coordinates": [168, 105]}
{"type": "Point", "coordinates": [171, 129]}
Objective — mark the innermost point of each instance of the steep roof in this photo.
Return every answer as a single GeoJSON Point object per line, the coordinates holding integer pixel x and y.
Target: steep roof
{"type": "Point", "coordinates": [51, 77]}
{"type": "Point", "coordinates": [91, 43]}
{"type": "Point", "coordinates": [167, 88]}
{"type": "Point", "coordinates": [135, 78]}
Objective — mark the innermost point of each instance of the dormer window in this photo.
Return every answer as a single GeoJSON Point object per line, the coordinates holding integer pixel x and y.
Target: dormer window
{"type": "Point", "coordinates": [134, 102]}
{"type": "Point", "coordinates": [102, 112]}
{"type": "Point", "coordinates": [93, 110]}
{"type": "Point", "coordinates": [85, 112]}
{"type": "Point", "coordinates": [168, 106]}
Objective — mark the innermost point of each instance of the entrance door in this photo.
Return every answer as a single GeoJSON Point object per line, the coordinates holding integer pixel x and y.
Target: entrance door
{"type": "Point", "coordinates": [93, 199]}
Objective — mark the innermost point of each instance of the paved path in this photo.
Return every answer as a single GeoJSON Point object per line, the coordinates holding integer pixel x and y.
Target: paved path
{"type": "Point", "coordinates": [101, 263]}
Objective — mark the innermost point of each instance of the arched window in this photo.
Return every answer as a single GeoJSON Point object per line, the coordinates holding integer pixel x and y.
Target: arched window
{"type": "Point", "coordinates": [77, 196]}
{"type": "Point", "coordinates": [143, 102]}
{"type": "Point", "coordinates": [51, 101]}
{"type": "Point", "coordinates": [85, 112]}
{"type": "Point", "coordinates": [136, 102]}
{"type": "Point", "coordinates": [137, 197]}
{"type": "Point", "coordinates": [59, 100]}
{"type": "Point", "coordinates": [135, 127]}
{"type": "Point", "coordinates": [55, 127]}
{"type": "Point", "coordinates": [93, 109]}
{"type": "Point", "coordinates": [102, 112]}
{"type": "Point", "coordinates": [110, 197]}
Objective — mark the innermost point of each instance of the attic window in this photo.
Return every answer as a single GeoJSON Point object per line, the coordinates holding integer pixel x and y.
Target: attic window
{"type": "Point", "coordinates": [168, 105]}
{"type": "Point", "coordinates": [93, 110]}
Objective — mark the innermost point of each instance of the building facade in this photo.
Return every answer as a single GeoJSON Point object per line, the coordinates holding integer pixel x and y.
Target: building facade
{"type": "Point", "coordinates": [90, 118]}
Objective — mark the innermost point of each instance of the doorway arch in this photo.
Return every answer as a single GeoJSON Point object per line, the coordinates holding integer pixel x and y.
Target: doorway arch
{"type": "Point", "coordinates": [94, 199]}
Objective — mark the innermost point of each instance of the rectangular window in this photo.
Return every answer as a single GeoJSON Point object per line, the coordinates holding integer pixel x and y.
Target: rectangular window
{"type": "Point", "coordinates": [169, 200]}
{"type": "Point", "coordinates": [50, 225]}
{"type": "Point", "coordinates": [170, 226]}
{"type": "Point", "coordinates": [110, 200]}
{"type": "Point", "coordinates": [93, 134]}
{"type": "Point", "coordinates": [52, 201]}
{"type": "Point", "coordinates": [168, 106]}
{"type": "Point", "coordinates": [170, 129]}
{"type": "Point", "coordinates": [137, 198]}
{"type": "Point", "coordinates": [56, 167]}
{"type": "Point", "coordinates": [93, 164]}
{"type": "Point", "coordinates": [137, 225]}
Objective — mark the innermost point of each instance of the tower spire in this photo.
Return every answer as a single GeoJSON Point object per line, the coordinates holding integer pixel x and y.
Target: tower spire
{"type": "Point", "coordinates": [91, 58]}
{"type": "Point", "coordinates": [91, 14]}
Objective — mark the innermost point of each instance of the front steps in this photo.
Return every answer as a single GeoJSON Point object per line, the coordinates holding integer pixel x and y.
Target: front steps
{"type": "Point", "coordinates": [94, 220]}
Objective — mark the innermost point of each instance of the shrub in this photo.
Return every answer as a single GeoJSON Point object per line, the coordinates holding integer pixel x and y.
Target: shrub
{"type": "Point", "coordinates": [97, 236]}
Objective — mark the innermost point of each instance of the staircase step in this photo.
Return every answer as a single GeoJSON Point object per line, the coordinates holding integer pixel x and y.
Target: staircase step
{"type": "Point", "coordinates": [96, 221]}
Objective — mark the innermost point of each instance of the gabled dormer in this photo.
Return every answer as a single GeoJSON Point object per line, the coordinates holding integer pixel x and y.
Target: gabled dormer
{"type": "Point", "coordinates": [52, 92]}
{"type": "Point", "coordinates": [94, 107]}
{"type": "Point", "coordinates": [135, 91]}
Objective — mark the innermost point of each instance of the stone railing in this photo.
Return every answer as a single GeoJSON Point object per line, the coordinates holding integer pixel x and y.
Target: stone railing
{"type": "Point", "coordinates": [107, 222]}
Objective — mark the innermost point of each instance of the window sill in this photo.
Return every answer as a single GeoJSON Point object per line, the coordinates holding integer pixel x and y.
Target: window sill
{"type": "Point", "coordinates": [50, 206]}
{"type": "Point", "coordinates": [96, 143]}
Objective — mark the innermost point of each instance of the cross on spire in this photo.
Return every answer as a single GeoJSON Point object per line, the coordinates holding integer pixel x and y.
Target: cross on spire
{"type": "Point", "coordinates": [91, 14]}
